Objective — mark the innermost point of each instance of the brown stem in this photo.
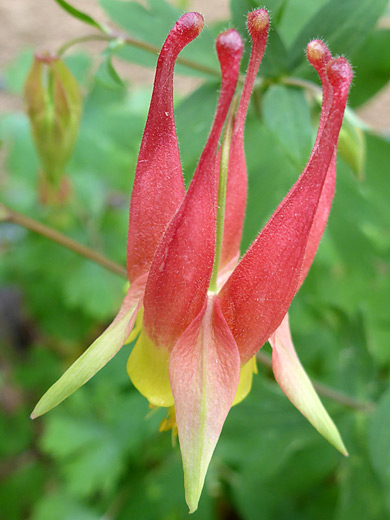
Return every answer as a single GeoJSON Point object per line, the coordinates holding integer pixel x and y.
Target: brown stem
{"type": "Point", "coordinates": [115, 35]}
{"type": "Point", "coordinates": [301, 83]}
{"type": "Point", "coordinates": [327, 391]}
{"type": "Point", "coordinates": [82, 39]}
{"type": "Point", "coordinates": [9, 215]}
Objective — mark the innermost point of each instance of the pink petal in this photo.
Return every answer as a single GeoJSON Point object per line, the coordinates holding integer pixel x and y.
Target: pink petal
{"type": "Point", "coordinates": [258, 294]}
{"type": "Point", "coordinates": [204, 373]}
{"type": "Point", "coordinates": [181, 270]}
{"type": "Point", "coordinates": [258, 25]}
{"type": "Point", "coordinates": [158, 185]}
{"type": "Point", "coordinates": [293, 380]}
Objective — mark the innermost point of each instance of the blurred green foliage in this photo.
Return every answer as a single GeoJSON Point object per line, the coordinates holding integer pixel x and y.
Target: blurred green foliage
{"type": "Point", "coordinates": [100, 454]}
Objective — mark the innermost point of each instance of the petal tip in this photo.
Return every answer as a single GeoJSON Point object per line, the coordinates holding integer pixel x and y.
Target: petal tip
{"type": "Point", "coordinates": [339, 72]}
{"type": "Point", "coordinates": [258, 22]}
{"type": "Point", "coordinates": [192, 500]}
{"type": "Point", "coordinates": [338, 443]}
{"type": "Point", "coordinates": [40, 408]}
{"type": "Point", "coordinates": [191, 23]}
{"type": "Point", "coordinates": [318, 53]}
{"type": "Point", "coordinates": [229, 43]}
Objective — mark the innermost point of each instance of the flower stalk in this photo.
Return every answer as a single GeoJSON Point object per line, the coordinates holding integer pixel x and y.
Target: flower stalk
{"type": "Point", "coordinates": [222, 189]}
{"type": "Point", "coordinates": [10, 215]}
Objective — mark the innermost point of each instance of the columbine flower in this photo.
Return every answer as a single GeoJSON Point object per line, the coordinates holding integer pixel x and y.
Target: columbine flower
{"type": "Point", "coordinates": [205, 315]}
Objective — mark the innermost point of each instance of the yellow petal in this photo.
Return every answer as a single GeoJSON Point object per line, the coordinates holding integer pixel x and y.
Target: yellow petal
{"type": "Point", "coordinates": [245, 383]}
{"type": "Point", "coordinates": [148, 370]}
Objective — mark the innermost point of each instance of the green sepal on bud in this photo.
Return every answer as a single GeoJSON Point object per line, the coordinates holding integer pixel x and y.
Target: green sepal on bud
{"type": "Point", "coordinates": [352, 140]}
{"type": "Point", "coordinates": [54, 103]}
{"type": "Point", "coordinates": [352, 144]}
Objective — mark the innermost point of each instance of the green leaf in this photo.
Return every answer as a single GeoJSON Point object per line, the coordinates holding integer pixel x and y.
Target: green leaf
{"type": "Point", "coordinates": [271, 174]}
{"type": "Point", "coordinates": [274, 62]}
{"type": "Point", "coordinates": [151, 25]}
{"type": "Point", "coordinates": [80, 15]}
{"type": "Point", "coordinates": [286, 114]}
{"type": "Point", "coordinates": [352, 146]}
{"type": "Point", "coordinates": [16, 73]}
{"type": "Point", "coordinates": [343, 25]}
{"type": "Point", "coordinates": [80, 290]}
{"type": "Point", "coordinates": [288, 453]}
{"type": "Point", "coordinates": [371, 74]}
{"type": "Point", "coordinates": [295, 15]}
{"type": "Point", "coordinates": [267, 409]}
{"type": "Point", "coordinates": [59, 505]}
{"type": "Point", "coordinates": [360, 494]}
{"type": "Point", "coordinates": [198, 108]}
{"type": "Point", "coordinates": [80, 65]}
{"type": "Point", "coordinates": [20, 487]}
{"type": "Point", "coordinates": [378, 439]}
{"type": "Point", "coordinates": [107, 76]}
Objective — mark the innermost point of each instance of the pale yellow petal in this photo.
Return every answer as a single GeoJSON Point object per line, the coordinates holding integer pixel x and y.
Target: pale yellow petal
{"type": "Point", "coordinates": [245, 383]}
{"type": "Point", "coordinates": [148, 370]}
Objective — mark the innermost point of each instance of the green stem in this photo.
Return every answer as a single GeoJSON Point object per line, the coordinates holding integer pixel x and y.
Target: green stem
{"type": "Point", "coordinates": [301, 83]}
{"type": "Point", "coordinates": [9, 215]}
{"type": "Point", "coordinates": [327, 391]}
{"type": "Point", "coordinates": [222, 185]}
{"type": "Point", "coordinates": [111, 35]}
{"type": "Point", "coordinates": [82, 39]}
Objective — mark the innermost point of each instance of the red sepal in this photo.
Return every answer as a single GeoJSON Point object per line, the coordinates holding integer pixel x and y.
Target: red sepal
{"type": "Point", "coordinates": [258, 25]}
{"type": "Point", "coordinates": [158, 184]}
{"type": "Point", "coordinates": [258, 294]}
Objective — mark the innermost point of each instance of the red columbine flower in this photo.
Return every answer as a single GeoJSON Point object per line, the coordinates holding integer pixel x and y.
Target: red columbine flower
{"type": "Point", "coordinates": [205, 315]}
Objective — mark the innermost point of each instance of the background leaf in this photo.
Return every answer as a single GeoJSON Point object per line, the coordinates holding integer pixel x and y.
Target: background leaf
{"type": "Point", "coordinates": [343, 25]}
{"type": "Point", "coordinates": [378, 441]}
{"type": "Point", "coordinates": [151, 24]}
{"type": "Point", "coordinates": [286, 114]}
{"type": "Point", "coordinates": [371, 74]}
{"type": "Point", "coordinates": [80, 15]}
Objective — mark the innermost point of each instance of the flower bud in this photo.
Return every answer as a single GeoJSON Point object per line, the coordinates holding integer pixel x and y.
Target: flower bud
{"type": "Point", "coordinates": [352, 146]}
{"type": "Point", "coordinates": [53, 102]}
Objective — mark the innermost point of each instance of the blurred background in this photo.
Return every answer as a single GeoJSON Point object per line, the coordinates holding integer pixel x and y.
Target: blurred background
{"type": "Point", "coordinates": [100, 455]}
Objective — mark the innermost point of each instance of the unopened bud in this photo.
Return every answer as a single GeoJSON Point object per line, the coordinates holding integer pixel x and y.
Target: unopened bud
{"type": "Point", "coordinates": [54, 103]}
{"type": "Point", "coordinates": [352, 146]}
